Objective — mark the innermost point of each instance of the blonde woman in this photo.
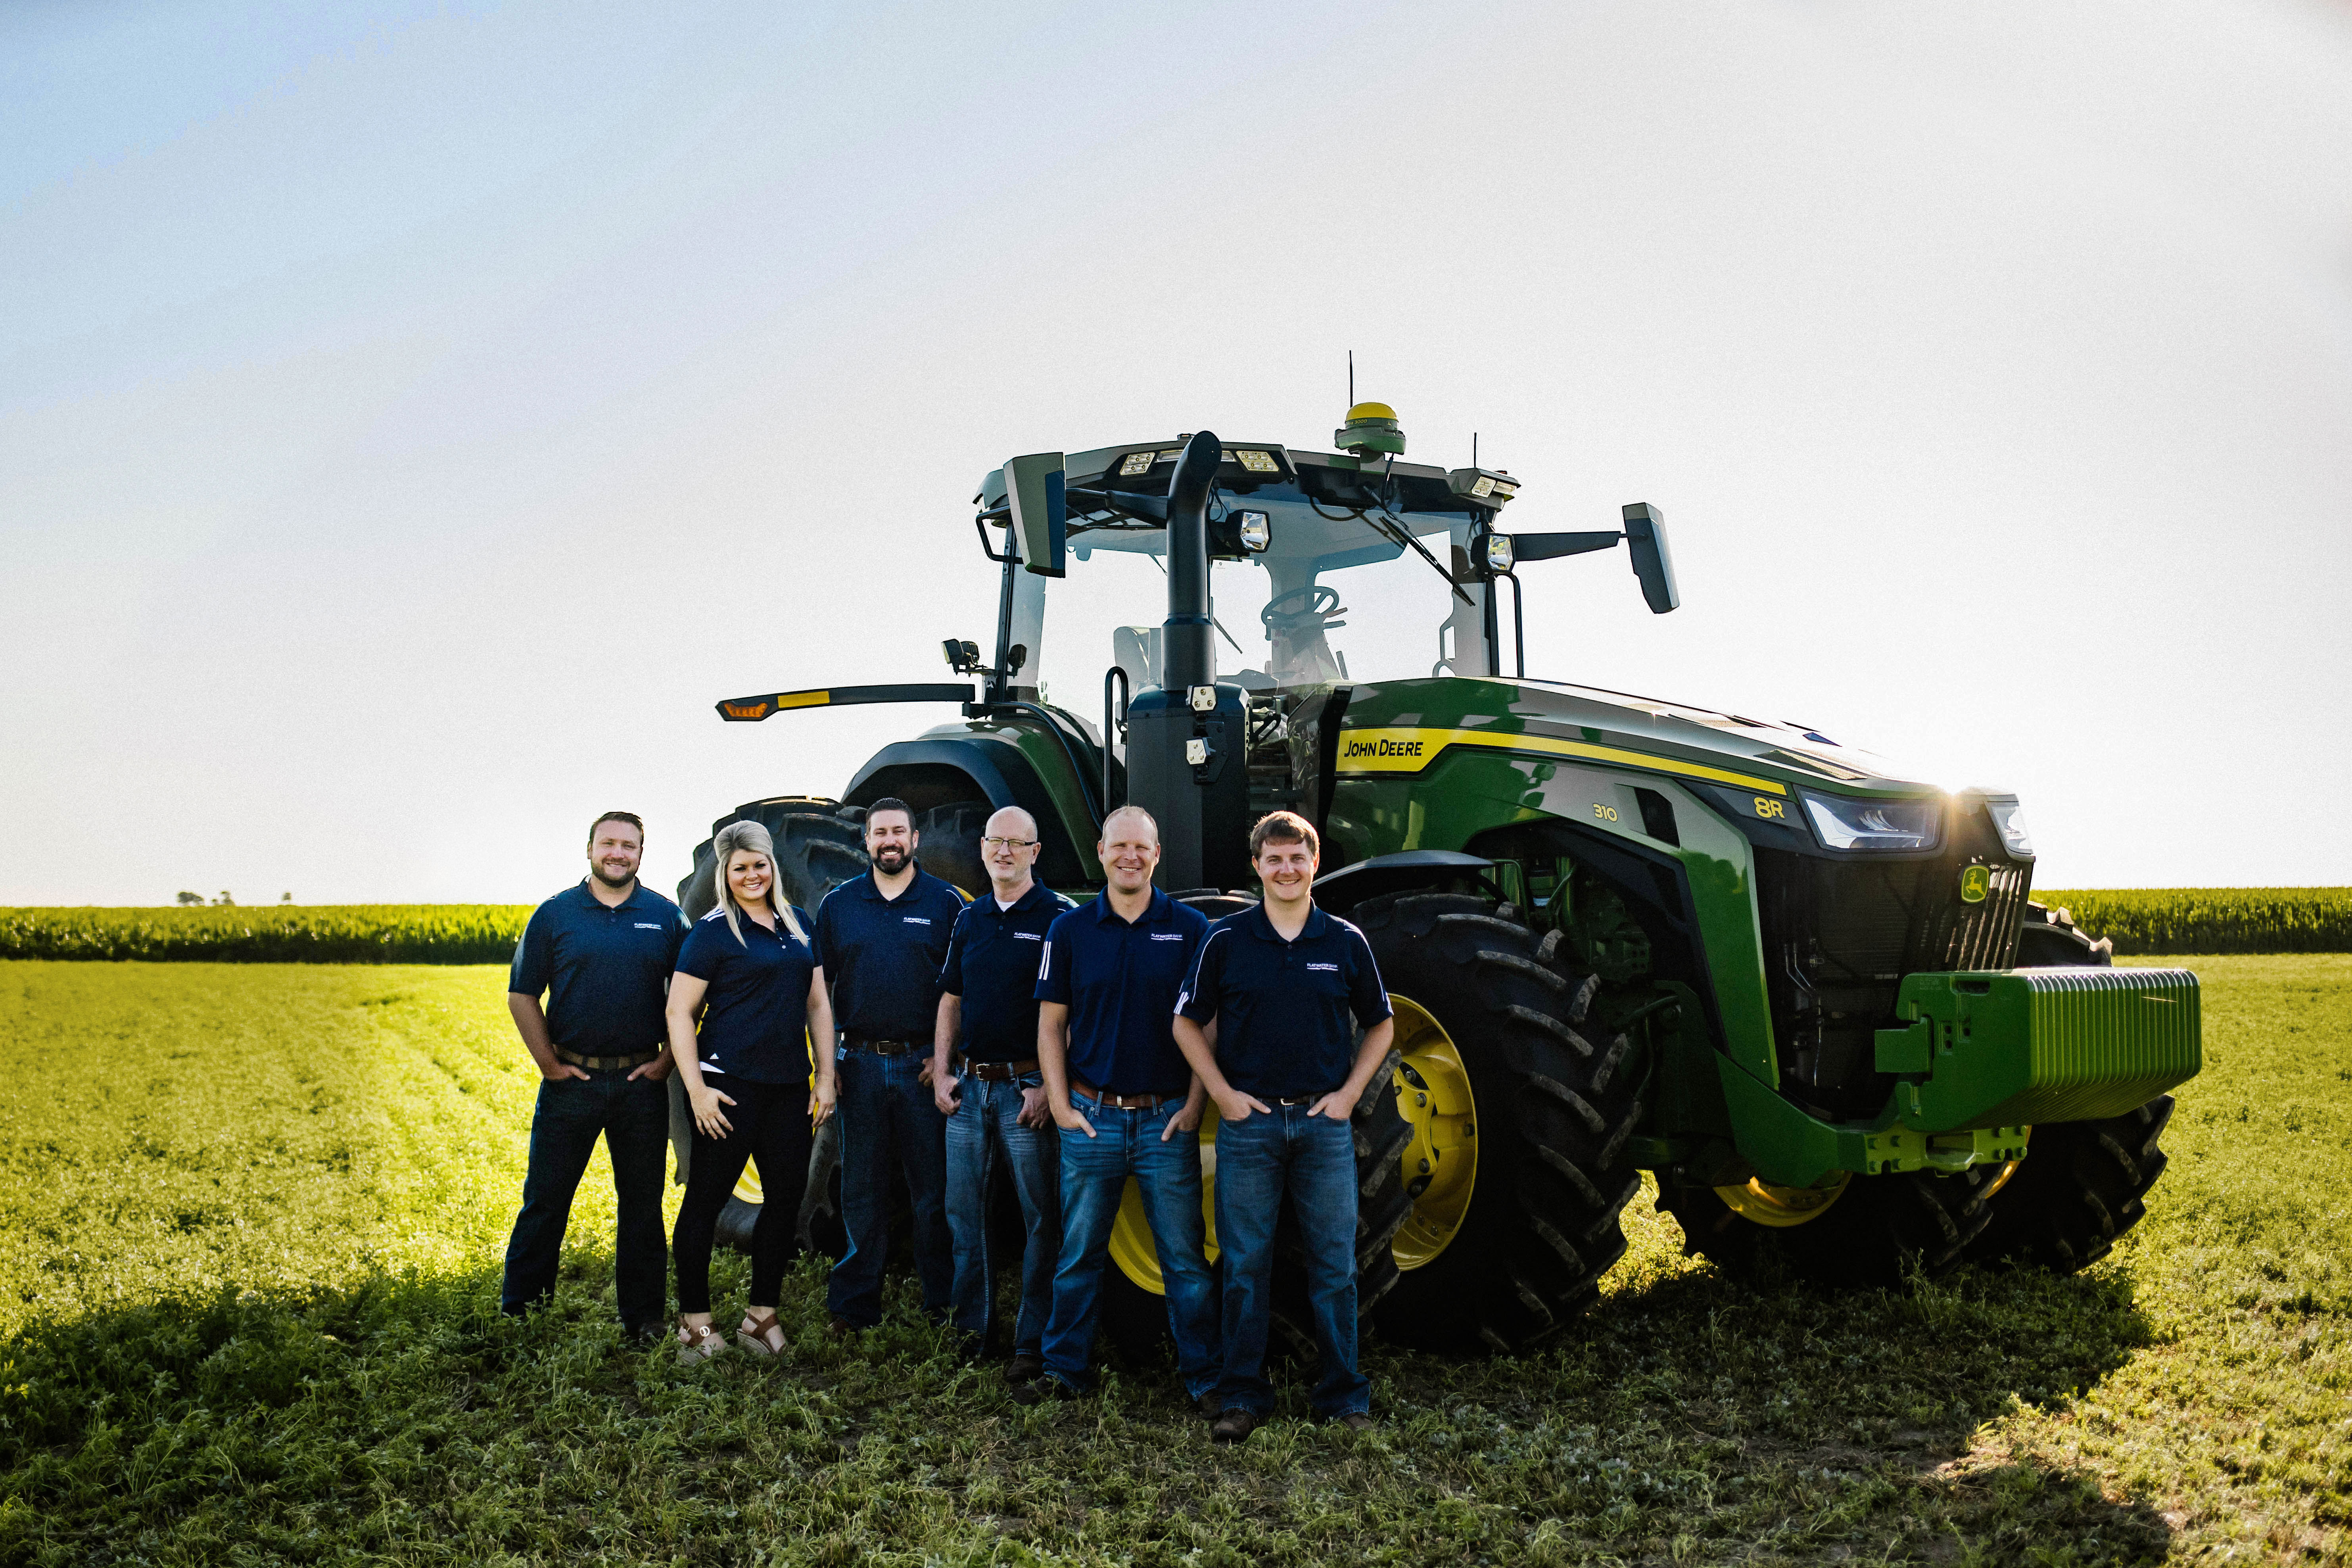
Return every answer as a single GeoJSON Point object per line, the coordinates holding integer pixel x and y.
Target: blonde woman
{"type": "Point", "coordinates": [751, 970]}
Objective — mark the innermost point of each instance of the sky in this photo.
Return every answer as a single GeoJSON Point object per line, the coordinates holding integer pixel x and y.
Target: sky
{"type": "Point", "coordinates": [414, 417]}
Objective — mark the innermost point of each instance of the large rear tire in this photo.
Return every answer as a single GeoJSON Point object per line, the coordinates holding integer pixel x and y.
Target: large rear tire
{"type": "Point", "coordinates": [1516, 1215]}
{"type": "Point", "coordinates": [820, 844]}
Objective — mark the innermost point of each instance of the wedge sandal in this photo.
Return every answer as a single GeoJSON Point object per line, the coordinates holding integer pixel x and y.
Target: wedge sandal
{"type": "Point", "coordinates": [697, 1343]}
{"type": "Point", "coordinates": [761, 1335]}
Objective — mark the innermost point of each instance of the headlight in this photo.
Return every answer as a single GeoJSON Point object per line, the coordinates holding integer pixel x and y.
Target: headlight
{"type": "Point", "coordinates": [1498, 553]}
{"type": "Point", "coordinates": [2010, 817]}
{"type": "Point", "coordinates": [1257, 532]}
{"type": "Point", "coordinates": [1846, 824]}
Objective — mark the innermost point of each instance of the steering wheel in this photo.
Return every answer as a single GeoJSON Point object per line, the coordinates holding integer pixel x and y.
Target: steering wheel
{"type": "Point", "coordinates": [1317, 600]}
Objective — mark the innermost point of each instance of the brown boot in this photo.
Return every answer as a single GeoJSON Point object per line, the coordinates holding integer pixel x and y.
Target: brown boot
{"type": "Point", "coordinates": [1235, 1425]}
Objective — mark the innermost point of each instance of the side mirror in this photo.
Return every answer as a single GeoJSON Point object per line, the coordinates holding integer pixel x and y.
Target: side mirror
{"type": "Point", "coordinates": [1645, 536]}
{"type": "Point", "coordinates": [1033, 485]}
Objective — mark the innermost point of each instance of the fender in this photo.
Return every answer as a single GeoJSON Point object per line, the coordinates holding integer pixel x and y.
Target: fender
{"type": "Point", "coordinates": [992, 764]}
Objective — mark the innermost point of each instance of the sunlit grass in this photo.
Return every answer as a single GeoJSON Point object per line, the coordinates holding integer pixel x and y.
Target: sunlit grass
{"type": "Point", "coordinates": [249, 1243]}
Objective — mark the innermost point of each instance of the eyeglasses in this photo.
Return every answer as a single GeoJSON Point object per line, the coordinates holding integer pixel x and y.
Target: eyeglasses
{"type": "Point", "coordinates": [1008, 844]}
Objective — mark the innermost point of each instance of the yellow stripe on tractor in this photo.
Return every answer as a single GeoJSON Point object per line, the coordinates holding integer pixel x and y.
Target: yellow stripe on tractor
{"type": "Point", "coordinates": [1403, 750]}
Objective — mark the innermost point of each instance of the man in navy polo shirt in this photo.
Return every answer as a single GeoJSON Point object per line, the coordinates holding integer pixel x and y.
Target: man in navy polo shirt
{"type": "Point", "coordinates": [602, 952]}
{"type": "Point", "coordinates": [882, 937]}
{"type": "Point", "coordinates": [1285, 1070]}
{"type": "Point", "coordinates": [991, 1092]}
{"type": "Point", "coordinates": [1127, 1105]}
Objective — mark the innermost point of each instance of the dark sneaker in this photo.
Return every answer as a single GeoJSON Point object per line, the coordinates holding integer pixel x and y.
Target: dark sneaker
{"type": "Point", "coordinates": [1027, 1366]}
{"type": "Point", "coordinates": [1044, 1389]}
{"type": "Point", "coordinates": [1209, 1405]}
{"type": "Point", "coordinates": [839, 1327]}
{"type": "Point", "coordinates": [1235, 1425]}
{"type": "Point", "coordinates": [1354, 1421]}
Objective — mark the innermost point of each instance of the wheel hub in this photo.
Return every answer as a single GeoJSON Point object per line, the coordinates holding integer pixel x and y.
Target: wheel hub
{"type": "Point", "coordinates": [1767, 1204]}
{"type": "Point", "coordinates": [1440, 1163]}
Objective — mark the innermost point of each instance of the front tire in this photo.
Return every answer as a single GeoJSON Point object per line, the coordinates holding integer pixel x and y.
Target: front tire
{"type": "Point", "coordinates": [1862, 1232]}
{"type": "Point", "coordinates": [2079, 1188]}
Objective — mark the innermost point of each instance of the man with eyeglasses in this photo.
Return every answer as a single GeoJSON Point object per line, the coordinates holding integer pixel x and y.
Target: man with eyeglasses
{"type": "Point", "coordinates": [985, 1079]}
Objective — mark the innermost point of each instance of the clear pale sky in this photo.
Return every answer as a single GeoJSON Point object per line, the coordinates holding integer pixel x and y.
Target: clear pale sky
{"type": "Point", "coordinates": [414, 417]}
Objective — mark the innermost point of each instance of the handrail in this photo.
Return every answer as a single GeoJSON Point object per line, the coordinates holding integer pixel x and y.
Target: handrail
{"type": "Point", "coordinates": [1114, 722]}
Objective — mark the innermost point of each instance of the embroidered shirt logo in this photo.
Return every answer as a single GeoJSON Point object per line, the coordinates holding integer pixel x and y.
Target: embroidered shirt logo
{"type": "Point", "coordinates": [915, 920]}
{"type": "Point", "coordinates": [1029, 936]}
{"type": "Point", "coordinates": [1168, 936]}
{"type": "Point", "coordinates": [1331, 967]}
{"type": "Point", "coordinates": [648, 925]}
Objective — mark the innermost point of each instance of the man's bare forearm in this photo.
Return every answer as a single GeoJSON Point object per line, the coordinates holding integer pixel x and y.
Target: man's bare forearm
{"type": "Point", "coordinates": [530, 1023]}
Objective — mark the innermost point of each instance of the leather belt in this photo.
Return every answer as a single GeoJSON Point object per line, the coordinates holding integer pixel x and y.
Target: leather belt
{"type": "Point", "coordinates": [1086, 1090]}
{"type": "Point", "coordinates": [994, 1072]}
{"type": "Point", "coordinates": [1298, 1099]}
{"type": "Point", "coordinates": [604, 1064]}
{"type": "Point", "coordinates": [887, 1048]}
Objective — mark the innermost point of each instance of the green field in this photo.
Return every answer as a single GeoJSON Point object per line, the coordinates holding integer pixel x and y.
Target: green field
{"type": "Point", "coordinates": [2146, 921]}
{"type": "Point", "coordinates": [269, 933]}
{"type": "Point", "coordinates": [249, 1234]}
{"type": "Point", "coordinates": [2139, 920]}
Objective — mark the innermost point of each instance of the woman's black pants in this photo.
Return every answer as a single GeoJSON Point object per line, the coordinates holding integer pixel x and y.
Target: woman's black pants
{"type": "Point", "coordinates": [771, 1125]}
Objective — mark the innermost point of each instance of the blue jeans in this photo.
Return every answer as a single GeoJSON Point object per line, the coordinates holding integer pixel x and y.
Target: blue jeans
{"type": "Point", "coordinates": [886, 1116]}
{"type": "Point", "coordinates": [987, 1125]}
{"type": "Point", "coordinates": [1313, 1158]}
{"type": "Point", "coordinates": [1093, 1178]}
{"type": "Point", "coordinates": [634, 1120]}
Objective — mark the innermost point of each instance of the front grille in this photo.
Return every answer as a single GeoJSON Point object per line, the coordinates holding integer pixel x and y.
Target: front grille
{"type": "Point", "coordinates": [1841, 934]}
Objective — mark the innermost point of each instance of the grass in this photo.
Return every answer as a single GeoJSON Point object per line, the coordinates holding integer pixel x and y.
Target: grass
{"type": "Point", "coordinates": [249, 1235]}
{"type": "Point", "coordinates": [277, 933]}
{"type": "Point", "coordinates": [2166, 920]}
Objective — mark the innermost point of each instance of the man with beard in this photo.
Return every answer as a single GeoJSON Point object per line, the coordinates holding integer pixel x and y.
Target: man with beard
{"type": "Point", "coordinates": [881, 941]}
{"type": "Point", "coordinates": [602, 952]}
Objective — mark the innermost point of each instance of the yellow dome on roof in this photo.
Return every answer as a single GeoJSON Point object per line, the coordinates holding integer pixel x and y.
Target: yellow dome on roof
{"type": "Point", "coordinates": [1371, 411]}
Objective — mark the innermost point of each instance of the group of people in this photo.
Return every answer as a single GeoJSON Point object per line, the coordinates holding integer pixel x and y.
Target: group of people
{"type": "Point", "coordinates": [1070, 1047]}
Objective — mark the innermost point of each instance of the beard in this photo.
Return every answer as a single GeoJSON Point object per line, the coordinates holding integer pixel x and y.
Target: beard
{"type": "Point", "coordinates": [597, 870]}
{"type": "Point", "coordinates": [890, 860]}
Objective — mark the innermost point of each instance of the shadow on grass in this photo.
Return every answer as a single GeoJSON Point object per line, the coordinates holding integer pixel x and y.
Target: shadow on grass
{"type": "Point", "coordinates": [1691, 1420]}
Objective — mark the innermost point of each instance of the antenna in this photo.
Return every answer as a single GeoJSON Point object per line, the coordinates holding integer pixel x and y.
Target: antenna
{"type": "Point", "coordinates": [1474, 448]}
{"type": "Point", "coordinates": [1351, 378]}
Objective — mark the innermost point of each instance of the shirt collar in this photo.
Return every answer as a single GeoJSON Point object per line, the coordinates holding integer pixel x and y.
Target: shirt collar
{"type": "Point", "coordinates": [1261, 924]}
{"type": "Point", "coordinates": [588, 896]}
{"type": "Point", "coordinates": [1037, 894]}
{"type": "Point", "coordinates": [873, 890]}
{"type": "Point", "coordinates": [1160, 907]}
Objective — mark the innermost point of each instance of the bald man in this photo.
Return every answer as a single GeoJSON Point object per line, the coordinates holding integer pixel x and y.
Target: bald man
{"type": "Point", "coordinates": [984, 1076]}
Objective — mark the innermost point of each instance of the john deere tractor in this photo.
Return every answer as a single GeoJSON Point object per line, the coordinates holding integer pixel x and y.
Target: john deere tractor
{"type": "Point", "coordinates": [1621, 934]}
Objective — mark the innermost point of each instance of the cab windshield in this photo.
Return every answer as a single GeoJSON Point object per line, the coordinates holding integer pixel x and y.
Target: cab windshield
{"type": "Point", "coordinates": [1332, 598]}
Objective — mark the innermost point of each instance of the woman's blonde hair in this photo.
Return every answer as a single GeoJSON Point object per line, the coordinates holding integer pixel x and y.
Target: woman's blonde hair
{"type": "Point", "coordinates": [750, 836]}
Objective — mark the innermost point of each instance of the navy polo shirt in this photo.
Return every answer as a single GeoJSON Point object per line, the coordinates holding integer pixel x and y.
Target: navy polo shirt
{"type": "Point", "coordinates": [1282, 1006]}
{"type": "Point", "coordinates": [1121, 982]}
{"type": "Point", "coordinates": [755, 1011]}
{"type": "Point", "coordinates": [605, 971]}
{"type": "Point", "coordinates": [882, 956]}
{"type": "Point", "coordinates": [992, 963]}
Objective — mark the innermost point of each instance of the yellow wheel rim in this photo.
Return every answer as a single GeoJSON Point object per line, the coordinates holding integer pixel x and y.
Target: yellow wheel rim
{"type": "Point", "coordinates": [2001, 1177]}
{"type": "Point", "coordinates": [1780, 1207]}
{"type": "Point", "coordinates": [1131, 1246]}
{"type": "Point", "coordinates": [1440, 1166]}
